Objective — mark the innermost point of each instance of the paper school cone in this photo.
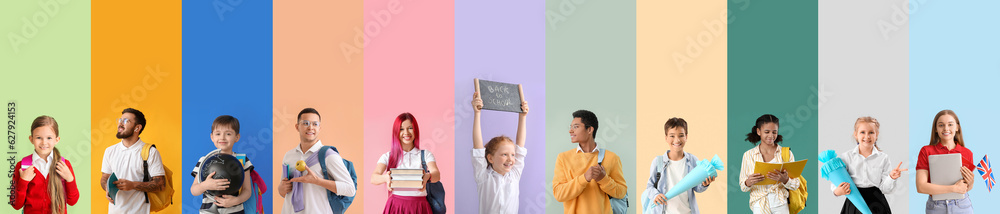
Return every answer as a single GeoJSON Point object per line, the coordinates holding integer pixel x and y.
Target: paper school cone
{"type": "Point", "coordinates": [834, 170]}
{"type": "Point", "coordinates": [697, 175]}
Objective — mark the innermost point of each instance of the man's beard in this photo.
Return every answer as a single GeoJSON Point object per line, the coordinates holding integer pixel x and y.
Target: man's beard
{"type": "Point", "coordinates": [124, 134]}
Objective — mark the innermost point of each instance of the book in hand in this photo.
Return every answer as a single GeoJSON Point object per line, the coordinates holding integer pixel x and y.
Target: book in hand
{"type": "Point", "coordinates": [794, 169]}
{"type": "Point", "coordinates": [112, 188]}
{"type": "Point", "coordinates": [400, 171]}
{"type": "Point", "coordinates": [403, 178]}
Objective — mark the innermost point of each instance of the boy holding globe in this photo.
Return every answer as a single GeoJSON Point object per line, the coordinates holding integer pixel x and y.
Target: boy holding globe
{"type": "Point", "coordinates": [225, 133]}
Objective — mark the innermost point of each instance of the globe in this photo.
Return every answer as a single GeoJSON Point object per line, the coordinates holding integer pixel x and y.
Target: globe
{"type": "Point", "coordinates": [225, 167]}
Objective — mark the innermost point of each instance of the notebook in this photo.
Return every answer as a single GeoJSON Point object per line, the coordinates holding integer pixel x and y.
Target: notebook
{"type": "Point", "coordinates": [944, 170]}
{"type": "Point", "coordinates": [794, 169]}
{"type": "Point", "coordinates": [112, 188]}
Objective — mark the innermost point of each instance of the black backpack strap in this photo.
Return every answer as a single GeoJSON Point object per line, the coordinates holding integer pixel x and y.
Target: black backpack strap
{"type": "Point", "coordinates": [145, 170]}
{"type": "Point", "coordinates": [423, 163]}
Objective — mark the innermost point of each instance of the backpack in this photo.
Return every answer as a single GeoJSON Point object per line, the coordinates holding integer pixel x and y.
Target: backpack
{"type": "Point", "coordinates": [257, 188]}
{"type": "Point", "coordinates": [27, 162]}
{"type": "Point", "coordinates": [435, 191]}
{"type": "Point", "coordinates": [648, 205]}
{"type": "Point", "coordinates": [618, 205]}
{"type": "Point", "coordinates": [796, 198]}
{"type": "Point", "coordinates": [659, 170]}
{"type": "Point", "coordinates": [158, 200]}
{"type": "Point", "coordinates": [338, 203]}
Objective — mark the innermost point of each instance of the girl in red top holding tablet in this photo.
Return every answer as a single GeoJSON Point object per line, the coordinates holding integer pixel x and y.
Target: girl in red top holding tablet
{"type": "Point", "coordinates": [946, 138]}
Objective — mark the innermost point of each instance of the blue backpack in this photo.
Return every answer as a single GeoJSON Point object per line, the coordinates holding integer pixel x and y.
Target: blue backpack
{"type": "Point", "coordinates": [254, 204]}
{"type": "Point", "coordinates": [618, 205]}
{"type": "Point", "coordinates": [338, 203]}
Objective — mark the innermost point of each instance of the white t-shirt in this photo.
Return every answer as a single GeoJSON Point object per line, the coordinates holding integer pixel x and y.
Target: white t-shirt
{"type": "Point", "coordinates": [676, 172]}
{"type": "Point", "coordinates": [126, 164]}
{"type": "Point", "coordinates": [314, 196]}
{"type": "Point", "coordinates": [497, 193]}
{"type": "Point", "coordinates": [409, 160]}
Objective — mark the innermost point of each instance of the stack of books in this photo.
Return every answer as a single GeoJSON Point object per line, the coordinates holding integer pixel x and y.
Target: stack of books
{"type": "Point", "coordinates": [403, 178]}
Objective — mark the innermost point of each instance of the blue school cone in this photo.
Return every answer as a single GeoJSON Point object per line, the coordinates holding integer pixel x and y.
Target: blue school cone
{"type": "Point", "coordinates": [697, 175]}
{"type": "Point", "coordinates": [834, 170]}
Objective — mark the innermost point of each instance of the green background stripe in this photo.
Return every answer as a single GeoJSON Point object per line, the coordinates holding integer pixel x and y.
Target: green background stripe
{"type": "Point", "coordinates": [772, 70]}
{"type": "Point", "coordinates": [45, 69]}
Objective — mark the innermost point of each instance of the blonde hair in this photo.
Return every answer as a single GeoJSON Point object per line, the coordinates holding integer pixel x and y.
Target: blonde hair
{"type": "Point", "coordinates": [57, 193]}
{"type": "Point", "coordinates": [867, 119]}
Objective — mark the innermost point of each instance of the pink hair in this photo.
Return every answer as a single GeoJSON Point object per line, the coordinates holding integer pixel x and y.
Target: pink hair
{"type": "Point", "coordinates": [396, 150]}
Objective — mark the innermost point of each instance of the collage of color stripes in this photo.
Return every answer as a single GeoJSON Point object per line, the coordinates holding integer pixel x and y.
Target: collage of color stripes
{"type": "Point", "coordinates": [818, 66]}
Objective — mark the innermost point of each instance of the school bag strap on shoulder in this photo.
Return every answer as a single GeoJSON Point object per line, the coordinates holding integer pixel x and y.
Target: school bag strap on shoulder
{"type": "Point", "coordinates": [158, 200]}
{"type": "Point", "coordinates": [618, 205]}
{"type": "Point", "coordinates": [338, 203]}
{"type": "Point", "coordinates": [435, 191]}
{"type": "Point", "coordinates": [797, 197]}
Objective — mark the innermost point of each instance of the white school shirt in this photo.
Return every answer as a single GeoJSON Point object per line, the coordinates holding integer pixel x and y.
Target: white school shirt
{"type": "Point", "coordinates": [43, 165]}
{"type": "Point", "coordinates": [676, 172]}
{"type": "Point", "coordinates": [497, 193]}
{"type": "Point", "coordinates": [872, 171]}
{"type": "Point", "coordinates": [314, 195]}
{"type": "Point", "coordinates": [126, 163]}
{"type": "Point", "coordinates": [409, 160]}
{"type": "Point", "coordinates": [759, 194]}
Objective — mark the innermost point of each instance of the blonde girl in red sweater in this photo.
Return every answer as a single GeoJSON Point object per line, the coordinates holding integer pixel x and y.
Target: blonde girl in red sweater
{"type": "Point", "coordinates": [44, 172]}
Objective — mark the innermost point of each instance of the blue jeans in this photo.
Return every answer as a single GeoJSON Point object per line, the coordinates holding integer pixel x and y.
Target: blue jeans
{"type": "Point", "coordinates": [954, 206]}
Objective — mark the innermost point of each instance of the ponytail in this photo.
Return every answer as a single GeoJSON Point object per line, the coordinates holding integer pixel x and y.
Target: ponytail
{"type": "Point", "coordinates": [57, 191]}
{"type": "Point", "coordinates": [753, 137]}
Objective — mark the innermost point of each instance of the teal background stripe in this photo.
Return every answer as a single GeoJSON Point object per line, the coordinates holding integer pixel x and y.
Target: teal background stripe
{"type": "Point", "coordinates": [773, 70]}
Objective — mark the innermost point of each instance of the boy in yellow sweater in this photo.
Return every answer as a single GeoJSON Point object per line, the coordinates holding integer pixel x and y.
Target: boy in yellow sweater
{"type": "Point", "coordinates": [580, 183]}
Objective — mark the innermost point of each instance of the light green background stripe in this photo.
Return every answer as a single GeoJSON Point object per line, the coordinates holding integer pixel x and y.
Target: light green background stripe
{"type": "Point", "coordinates": [590, 64]}
{"type": "Point", "coordinates": [46, 71]}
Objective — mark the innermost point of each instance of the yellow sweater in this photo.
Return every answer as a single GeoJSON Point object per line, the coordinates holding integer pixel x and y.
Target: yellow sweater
{"type": "Point", "coordinates": [579, 196]}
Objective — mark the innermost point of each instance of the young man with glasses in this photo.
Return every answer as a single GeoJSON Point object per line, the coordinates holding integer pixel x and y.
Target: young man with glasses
{"type": "Point", "coordinates": [307, 193]}
{"type": "Point", "coordinates": [124, 159]}
{"type": "Point", "coordinates": [580, 183]}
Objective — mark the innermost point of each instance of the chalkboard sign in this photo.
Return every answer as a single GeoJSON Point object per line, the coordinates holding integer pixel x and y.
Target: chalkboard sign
{"type": "Point", "coordinates": [499, 96]}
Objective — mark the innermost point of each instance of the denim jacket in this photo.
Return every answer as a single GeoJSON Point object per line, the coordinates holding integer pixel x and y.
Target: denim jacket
{"type": "Point", "coordinates": [661, 187]}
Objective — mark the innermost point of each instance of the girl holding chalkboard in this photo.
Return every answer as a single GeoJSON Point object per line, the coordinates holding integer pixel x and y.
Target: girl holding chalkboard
{"type": "Point", "coordinates": [497, 166]}
{"type": "Point", "coordinates": [45, 182]}
{"type": "Point", "coordinates": [870, 169]}
{"type": "Point", "coordinates": [946, 138]}
{"type": "Point", "coordinates": [405, 153]}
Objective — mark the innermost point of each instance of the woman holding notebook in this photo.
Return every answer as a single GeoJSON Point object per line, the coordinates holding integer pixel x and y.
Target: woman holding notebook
{"type": "Point", "coordinates": [946, 138]}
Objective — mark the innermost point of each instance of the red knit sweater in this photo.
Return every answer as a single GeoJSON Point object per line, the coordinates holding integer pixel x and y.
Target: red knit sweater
{"type": "Point", "coordinates": [34, 196]}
